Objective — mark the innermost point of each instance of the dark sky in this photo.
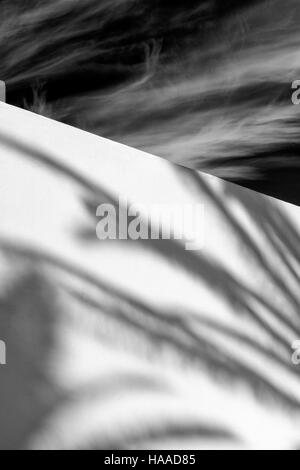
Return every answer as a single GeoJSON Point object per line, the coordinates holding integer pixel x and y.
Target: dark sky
{"type": "Point", "coordinates": [118, 39]}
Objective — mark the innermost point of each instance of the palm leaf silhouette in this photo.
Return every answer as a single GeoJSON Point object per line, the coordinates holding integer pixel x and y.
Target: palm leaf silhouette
{"type": "Point", "coordinates": [53, 294]}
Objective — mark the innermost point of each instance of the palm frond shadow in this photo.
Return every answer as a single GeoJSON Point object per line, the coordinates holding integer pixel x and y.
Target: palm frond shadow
{"type": "Point", "coordinates": [167, 328]}
{"type": "Point", "coordinates": [38, 155]}
{"type": "Point", "coordinates": [163, 330]}
{"type": "Point", "coordinates": [181, 432]}
{"type": "Point", "coordinates": [262, 216]}
{"type": "Point", "coordinates": [27, 394]}
{"type": "Point", "coordinates": [277, 228]}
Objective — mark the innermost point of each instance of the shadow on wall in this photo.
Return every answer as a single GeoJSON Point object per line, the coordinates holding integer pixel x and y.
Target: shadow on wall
{"type": "Point", "coordinates": [40, 293]}
{"type": "Point", "coordinates": [27, 324]}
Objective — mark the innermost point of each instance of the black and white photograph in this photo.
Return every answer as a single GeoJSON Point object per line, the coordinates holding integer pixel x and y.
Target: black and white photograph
{"type": "Point", "coordinates": [149, 227]}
